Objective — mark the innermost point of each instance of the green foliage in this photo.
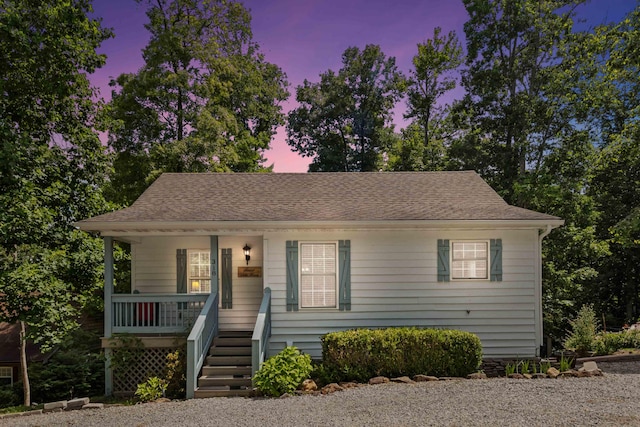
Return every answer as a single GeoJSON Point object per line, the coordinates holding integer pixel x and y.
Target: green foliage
{"type": "Point", "coordinates": [204, 101]}
{"type": "Point", "coordinates": [76, 369]}
{"type": "Point", "coordinates": [524, 366]}
{"type": "Point", "coordinates": [584, 329]}
{"type": "Point", "coordinates": [544, 366]}
{"type": "Point", "coordinates": [344, 121]}
{"type": "Point", "coordinates": [610, 342]}
{"type": "Point", "coordinates": [154, 388]}
{"type": "Point", "coordinates": [510, 369]}
{"type": "Point", "coordinates": [361, 354]}
{"type": "Point", "coordinates": [565, 363]}
{"type": "Point", "coordinates": [175, 374]}
{"type": "Point", "coordinates": [10, 395]}
{"type": "Point", "coordinates": [283, 373]}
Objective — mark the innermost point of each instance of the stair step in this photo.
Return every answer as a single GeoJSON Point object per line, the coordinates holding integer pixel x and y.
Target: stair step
{"type": "Point", "coordinates": [229, 360]}
{"type": "Point", "coordinates": [204, 392]}
{"type": "Point", "coordinates": [235, 334]}
{"type": "Point", "coordinates": [230, 351]}
{"type": "Point", "coordinates": [232, 341]}
{"type": "Point", "coordinates": [226, 370]}
{"type": "Point", "coordinates": [224, 381]}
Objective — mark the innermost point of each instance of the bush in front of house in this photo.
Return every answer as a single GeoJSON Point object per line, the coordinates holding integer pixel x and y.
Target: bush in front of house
{"type": "Point", "coordinates": [283, 373]}
{"type": "Point", "coordinates": [361, 354]}
{"type": "Point", "coordinates": [610, 342]}
{"type": "Point", "coordinates": [584, 329]}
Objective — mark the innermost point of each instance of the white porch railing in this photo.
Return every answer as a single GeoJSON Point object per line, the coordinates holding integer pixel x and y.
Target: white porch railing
{"type": "Point", "coordinates": [199, 341]}
{"type": "Point", "coordinates": [154, 313]}
{"type": "Point", "coordinates": [261, 333]}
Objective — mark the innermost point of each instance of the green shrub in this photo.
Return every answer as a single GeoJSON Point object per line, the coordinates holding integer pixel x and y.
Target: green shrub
{"type": "Point", "coordinates": [175, 374]}
{"type": "Point", "coordinates": [610, 342]}
{"type": "Point", "coordinates": [154, 388]}
{"type": "Point", "coordinates": [584, 329]}
{"type": "Point", "coordinates": [283, 373]}
{"type": "Point", "coordinates": [361, 354]}
{"type": "Point", "coordinates": [10, 396]}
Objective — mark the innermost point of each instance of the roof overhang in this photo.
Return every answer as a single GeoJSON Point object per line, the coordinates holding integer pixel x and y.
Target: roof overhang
{"type": "Point", "coordinates": [110, 228]}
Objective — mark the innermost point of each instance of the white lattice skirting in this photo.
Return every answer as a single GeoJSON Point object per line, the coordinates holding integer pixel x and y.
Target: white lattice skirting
{"type": "Point", "coordinates": [149, 363]}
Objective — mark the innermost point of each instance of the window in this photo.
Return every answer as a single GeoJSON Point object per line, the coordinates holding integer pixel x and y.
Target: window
{"type": "Point", "coordinates": [199, 274]}
{"type": "Point", "coordinates": [318, 275]}
{"type": "Point", "coordinates": [469, 260]}
{"type": "Point", "coordinates": [6, 375]}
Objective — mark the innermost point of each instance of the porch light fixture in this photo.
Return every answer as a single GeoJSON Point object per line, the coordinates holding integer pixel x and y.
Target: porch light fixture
{"type": "Point", "coordinates": [247, 252]}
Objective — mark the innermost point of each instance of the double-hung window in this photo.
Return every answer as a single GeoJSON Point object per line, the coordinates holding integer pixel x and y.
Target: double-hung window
{"type": "Point", "coordinates": [318, 275]}
{"type": "Point", "coordinates": [199, 274]}
{"type": "Point", "coordinates": [469, 260]}
{"type": "Point", "coordinates": [6, 375]}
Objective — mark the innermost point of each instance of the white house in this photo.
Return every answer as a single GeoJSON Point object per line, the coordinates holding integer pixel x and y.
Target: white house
{"type": "Point", "coordinates": [286, 258]}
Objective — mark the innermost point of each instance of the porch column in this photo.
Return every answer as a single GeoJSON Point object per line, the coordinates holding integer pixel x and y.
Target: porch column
{"type": "Point", "coordinates": [213, 257]}
{"type": "Point", "coordinates": [108, 291]}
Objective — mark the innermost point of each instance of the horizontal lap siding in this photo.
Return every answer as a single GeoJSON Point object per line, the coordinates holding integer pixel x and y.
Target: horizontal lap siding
{"type": "Point", "coordinates": [393, 283]}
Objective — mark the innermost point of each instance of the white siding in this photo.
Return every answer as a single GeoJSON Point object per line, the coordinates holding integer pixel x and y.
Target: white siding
{"type": "Point", "coordinates": [394, 283]}
{"type": "Point", "coordinates": [153, 270]}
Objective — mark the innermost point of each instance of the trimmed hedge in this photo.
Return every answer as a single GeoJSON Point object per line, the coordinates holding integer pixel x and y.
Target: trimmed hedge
{"type": "Point", "coordinates": [361, 354]}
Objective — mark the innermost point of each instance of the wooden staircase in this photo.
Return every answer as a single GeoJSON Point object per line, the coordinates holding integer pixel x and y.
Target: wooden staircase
{"type": "Point", "coordinates": [227, 371]}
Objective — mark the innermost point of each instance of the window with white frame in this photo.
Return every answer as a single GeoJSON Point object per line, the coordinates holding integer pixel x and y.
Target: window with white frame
{"type": "Point", "coordinates": [318, 275]}
{"type": "Point", "coordinates": [6, 375]}
{"type": "Point", "coordinates": [469, 260]}
{"type": "Point", "coordinates": [199, 272]}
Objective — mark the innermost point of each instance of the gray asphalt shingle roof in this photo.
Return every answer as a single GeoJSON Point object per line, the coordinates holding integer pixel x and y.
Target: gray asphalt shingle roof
{"type": "Point", "coordinates": [375, 196]}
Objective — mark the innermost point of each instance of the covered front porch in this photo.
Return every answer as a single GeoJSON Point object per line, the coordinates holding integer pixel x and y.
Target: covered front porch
{"type": "Point", "coordinates": [183, 290]}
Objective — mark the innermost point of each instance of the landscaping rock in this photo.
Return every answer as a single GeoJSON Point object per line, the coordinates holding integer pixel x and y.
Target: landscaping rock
{"type": "Point", "coordinates": [349, 385]}
{"type": "Point", "coordinates": [405, 380]}
{"type": "Point", "coordinates": [378, 380]}
{"type": "Point", "coordinates": [589, 366]}
{"type": "Point", "coordinates": [53, 406]}
{"type": "Point", "coordinates": [527, 376]}
{"type": "Point", "coordinates": [553, 373]}
{"type": "Point", "coordinates": [539, 376]}
{"type": "Point", "coordinates": [76, 404]}
{"type": "Point", "coordinates": [331, 388]}
{"type": "Point", "coordinates": [477, 376]}
{"type": "Point", "coordinates": [448, 378]}
{"type": "Point", "coordinates": [516, 376]}
{"type": "Point", "coordinates": [570, 373]}
{"type": "Point", "coordinates": [308, 385]}
{"type": "Point", "coordinates": [93, 406]}
{"type": "Point", "coordinates": [423, 378]}
{"type": "Point", "coordinates": [161, 400]}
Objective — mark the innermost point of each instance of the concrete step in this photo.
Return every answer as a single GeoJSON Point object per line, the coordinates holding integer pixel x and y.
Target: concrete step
{"type": "Point", "coordinates": [204, 392]}
{"type": "Point", "coordinates": [230, 351]}
{"type": "Point", "coordinates": [229, 360]}
{"type": "Point", "coordinates": [224, 381]}
{"type": "Point", "coordinates": [226, 370]}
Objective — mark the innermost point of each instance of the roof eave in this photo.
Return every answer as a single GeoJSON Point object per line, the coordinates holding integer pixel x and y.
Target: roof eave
{"type": "Point", "coordinates": [112, 228]}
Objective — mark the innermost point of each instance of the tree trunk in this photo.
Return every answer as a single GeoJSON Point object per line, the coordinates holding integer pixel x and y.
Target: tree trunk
{"type": "Point", "coordinates": [23, 364]}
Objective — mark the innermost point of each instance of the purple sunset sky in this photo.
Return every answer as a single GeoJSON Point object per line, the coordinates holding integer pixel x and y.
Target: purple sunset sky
{"type": "Point", "coordinates": [307, 37]}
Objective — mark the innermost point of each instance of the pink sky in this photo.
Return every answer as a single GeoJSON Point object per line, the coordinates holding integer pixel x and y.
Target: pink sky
{"type": "Point", "coordinates": [307, 37]}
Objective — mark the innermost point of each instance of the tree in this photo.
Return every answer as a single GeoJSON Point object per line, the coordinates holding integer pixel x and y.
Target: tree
{"type": "Point", "coordinates": [205, 100]}
{"type": "Point", "coordinates": [344, 121]}
{"type": "Point", "coordinates": [430, 79]}
{"type": "Point", "coordinates": [52, 166]}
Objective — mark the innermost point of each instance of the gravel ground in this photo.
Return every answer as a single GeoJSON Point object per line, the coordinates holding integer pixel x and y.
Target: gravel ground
{"type": "Point", "coordinates": [611, 400]}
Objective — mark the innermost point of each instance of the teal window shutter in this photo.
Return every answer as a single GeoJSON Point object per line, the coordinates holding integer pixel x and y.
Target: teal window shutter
{"type": "Point", "coordinates": [344, 251]}
{"type": "Point", "coordinates": [227, 273]}
{"type": "Point", "coordinates": [181, 271]}
{"type": "Point", "coordinates": [443, 260]}
{"type": "Point", "coordinates": [292, 275]}
{"type": "Point", "coordinates": [496, 260]}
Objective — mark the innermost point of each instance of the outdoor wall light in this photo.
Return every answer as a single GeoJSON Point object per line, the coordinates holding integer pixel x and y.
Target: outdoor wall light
{"type": "Point", "coordinates": [247, 252]}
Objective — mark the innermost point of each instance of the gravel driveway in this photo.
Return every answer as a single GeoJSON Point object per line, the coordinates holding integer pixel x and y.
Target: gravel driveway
{"type": "Point", "coordinates": [612, 400]}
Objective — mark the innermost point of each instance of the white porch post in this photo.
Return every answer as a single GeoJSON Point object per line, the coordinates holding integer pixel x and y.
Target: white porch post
{"type": "Point", "coordinates": [108, 291]}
